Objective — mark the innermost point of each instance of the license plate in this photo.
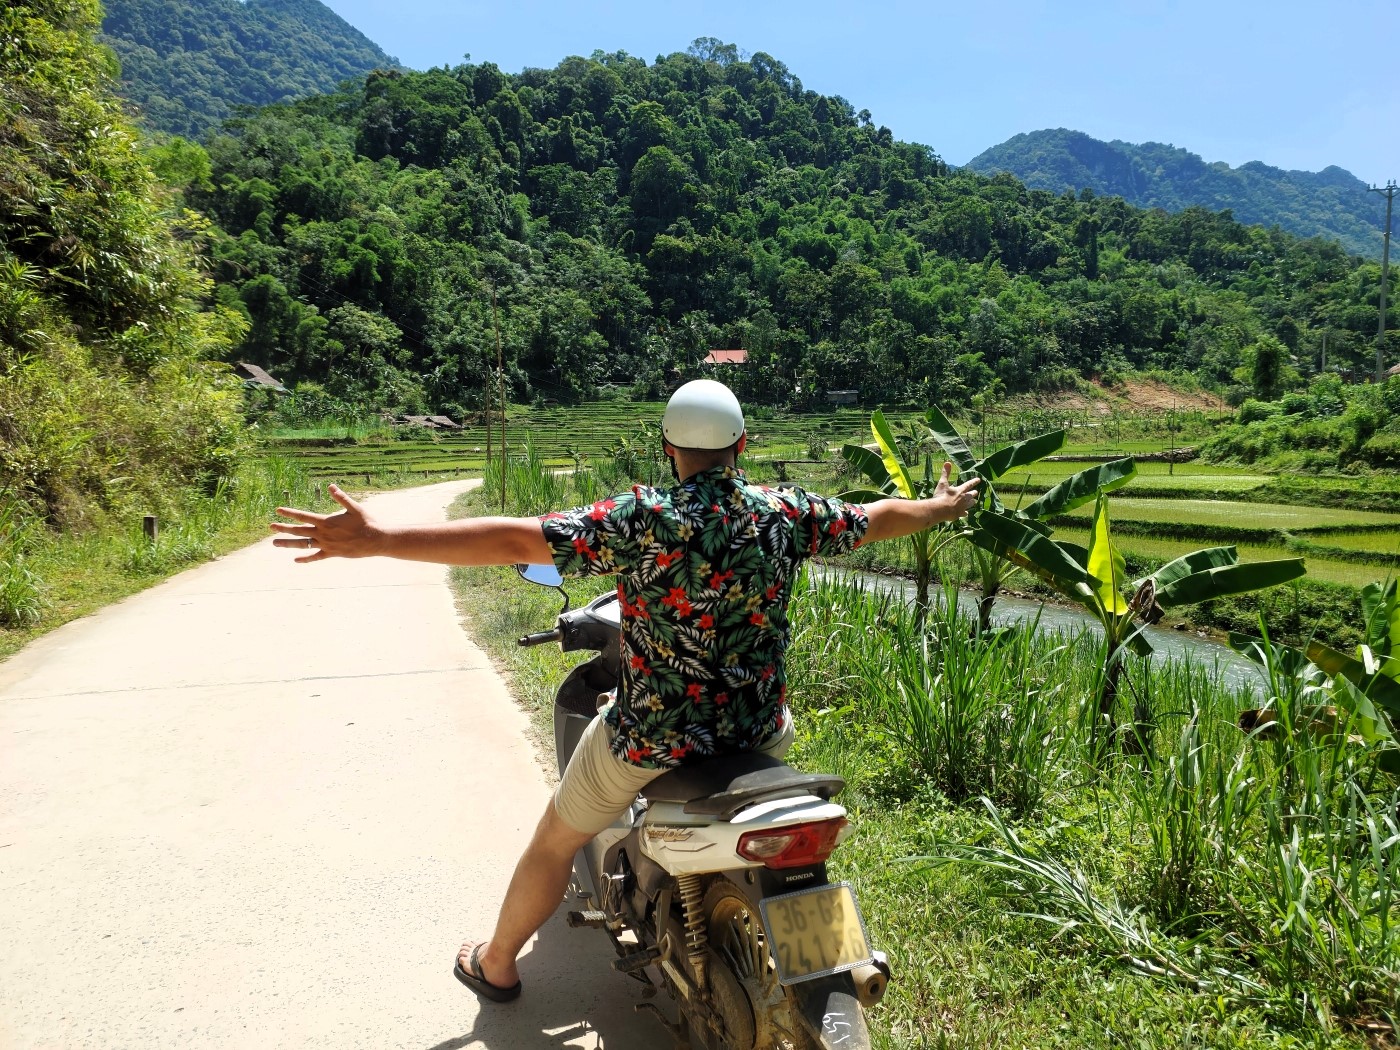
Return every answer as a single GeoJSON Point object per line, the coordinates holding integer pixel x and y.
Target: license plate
{"type": "Point", "coordinates": [815, 932]}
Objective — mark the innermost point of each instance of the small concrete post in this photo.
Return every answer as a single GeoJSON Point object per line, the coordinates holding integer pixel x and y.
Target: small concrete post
{"type": "Point", "coordinates": [150, 527]}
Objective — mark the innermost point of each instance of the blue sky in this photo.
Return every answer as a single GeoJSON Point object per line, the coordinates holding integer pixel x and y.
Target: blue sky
{"type": "Point", "coordinates": [1296, 85]}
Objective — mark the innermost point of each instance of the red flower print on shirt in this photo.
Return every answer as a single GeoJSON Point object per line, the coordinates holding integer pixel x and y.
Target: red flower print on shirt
{"type": "Point", "coordinates": [712, 684]}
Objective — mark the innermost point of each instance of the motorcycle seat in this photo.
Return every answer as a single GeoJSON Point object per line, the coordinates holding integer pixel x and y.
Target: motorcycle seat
{"type": "Point", "coordinates": [721, 787]}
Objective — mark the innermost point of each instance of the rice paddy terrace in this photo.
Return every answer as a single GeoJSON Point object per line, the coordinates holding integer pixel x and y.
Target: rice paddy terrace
{"type": "Point", "coordinates": [1167, 510]}
{"type": "Point", "coordinates": [562, 437]}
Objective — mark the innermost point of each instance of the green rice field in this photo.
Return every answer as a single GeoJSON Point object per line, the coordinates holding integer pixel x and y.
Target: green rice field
{"type": "Point", "coordinates": [561, 436]}
{"type": "Point", "coordinates": [1161, 548]}
{"type": "Point", "coordinates": [1150, 474]}
{"type": "Point", "coordinates": [1281, 516]}
{"type": "Point", "coordinates": [1381, 541]}
{"type": "Point", "coordinates": [567, 437]}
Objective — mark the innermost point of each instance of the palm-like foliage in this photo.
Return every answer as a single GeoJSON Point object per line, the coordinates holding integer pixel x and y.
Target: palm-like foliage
{"type": "Point", "coordinates": [893, 472]}
{"type": "Point", "coordinates": [1096, 579]}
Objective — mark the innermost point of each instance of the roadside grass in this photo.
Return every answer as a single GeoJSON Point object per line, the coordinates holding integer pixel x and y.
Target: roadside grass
{"type": "Point", "coordinates": [1132, 902]}
{"type": "Point", "coordinates": [74, 574]}
{"type": "Point", "coordinates": [1200, 887]}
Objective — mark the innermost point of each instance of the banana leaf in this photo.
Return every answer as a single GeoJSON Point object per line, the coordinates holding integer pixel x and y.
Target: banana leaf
{"type": "Point", "coordinates": [1229, 579]}
{"type": "Point", "coordinates": [1383, 691]}
{"type": "Point", "coordinates": [889, 453]}
{"type": "Point", "coordinates": [1196, 561]}
{"type": "Point", "coordinates": [1349, 686]}
{"type": "Point", "coordinates": [1022, 452]}
{"type": "Point", "coordinates": [1380, 611]}
{"type": "Point", "coordinates": [871, 465]}
{"type": "Point", "coordinates": [1365, 720]}
{"type": "Point", "coordinates": [1078, 489]}
{"type": "Point", "coordinates": [1105, 563]}
{"type": "Point", "coordinates": [1074, 550]}
{"type": "Point", "coordinates": [950, 441]}
{"type": "Point", "coordinates": [1040, 555]}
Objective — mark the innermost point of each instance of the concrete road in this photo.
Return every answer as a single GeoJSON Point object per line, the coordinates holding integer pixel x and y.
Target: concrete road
{"type": "Point", "coordinates": [261, 805]}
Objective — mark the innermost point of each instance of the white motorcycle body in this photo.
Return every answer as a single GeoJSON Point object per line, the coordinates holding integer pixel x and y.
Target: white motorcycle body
{"type": "Point", "coordinates": [713, 885]}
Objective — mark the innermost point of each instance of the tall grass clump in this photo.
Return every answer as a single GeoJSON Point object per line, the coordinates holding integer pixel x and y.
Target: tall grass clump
{"type": "Point", "coordinates": [1257, 866]}
{"type": "Point", "coordinates": [195, 531]}
{"type": "Point", "coordinates": [21, 590]}
{"type": "Point", "coordinates": [531, 486]}
{"type": "Point", "coordinates": [972, 715]}
{"type": "Point", "coordinates": [1254, 865]}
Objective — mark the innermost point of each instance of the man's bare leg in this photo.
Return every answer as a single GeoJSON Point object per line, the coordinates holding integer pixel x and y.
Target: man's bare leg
{"type": "Point", "coordinates": [538, 885]}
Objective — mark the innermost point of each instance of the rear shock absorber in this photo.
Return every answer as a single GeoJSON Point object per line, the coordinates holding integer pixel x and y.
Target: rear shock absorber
{"type": "Point", "coordinates": [692, 894]}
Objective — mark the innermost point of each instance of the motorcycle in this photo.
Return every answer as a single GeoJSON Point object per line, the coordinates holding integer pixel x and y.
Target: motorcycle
{"type": "Point", "coordinates": [713, 885]}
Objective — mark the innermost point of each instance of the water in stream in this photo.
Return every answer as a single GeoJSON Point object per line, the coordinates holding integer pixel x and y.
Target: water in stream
{"type": "Point", "coordinates": [1231, 669]}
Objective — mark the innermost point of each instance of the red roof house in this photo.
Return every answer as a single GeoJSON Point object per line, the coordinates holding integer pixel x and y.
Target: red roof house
{"type": "Point", "coordinates": [727, 357]}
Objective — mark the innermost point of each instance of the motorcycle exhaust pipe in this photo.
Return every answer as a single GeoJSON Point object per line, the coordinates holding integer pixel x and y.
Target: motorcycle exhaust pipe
{"type": "Point", "coordinates": [871, 980]}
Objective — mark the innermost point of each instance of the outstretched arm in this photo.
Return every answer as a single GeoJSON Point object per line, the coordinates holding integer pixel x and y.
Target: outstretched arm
{"type": "Point", "coordinates": [892, 518]}
{"type": "Point", "coordinates": [353, 533]}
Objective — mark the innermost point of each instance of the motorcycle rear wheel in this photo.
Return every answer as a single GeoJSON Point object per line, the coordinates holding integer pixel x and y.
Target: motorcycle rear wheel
{"type": "Point", "coordinates": [754, 1008]}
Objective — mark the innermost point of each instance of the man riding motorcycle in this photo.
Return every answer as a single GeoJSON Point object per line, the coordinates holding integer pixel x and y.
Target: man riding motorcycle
{"type": "Point", "coordinates": [705, 572]}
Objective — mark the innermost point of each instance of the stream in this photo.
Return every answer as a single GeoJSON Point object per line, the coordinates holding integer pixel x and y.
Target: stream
{"type": "Point", "coordinates": [1232, 669]}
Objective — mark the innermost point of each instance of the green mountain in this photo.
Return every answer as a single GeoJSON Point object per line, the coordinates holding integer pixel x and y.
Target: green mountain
{"type": "Point", "coordinates": [1328, 203]}
{"type": "Point", "coordinates": [618, 220]}
{"type": "Point", "coordinates": [187, 63]}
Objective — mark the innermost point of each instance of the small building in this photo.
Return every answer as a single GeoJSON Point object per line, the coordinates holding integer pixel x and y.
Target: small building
{"type": "Point", "coordinates": [427, 422]}
{"type": "Point", "coordinates": [842, 397]}
{"type": "Point", "coordinates": [726, 357]}
{"type": "Point", "coordinates": [254, 377]}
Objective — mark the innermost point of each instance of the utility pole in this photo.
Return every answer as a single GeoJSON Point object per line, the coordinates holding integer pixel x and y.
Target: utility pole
{"type": "Point", "coordinates": [1171, 451]}
{"type": "Point", "coordinates": [488, 393]}
{"type": "Point", "coordinates": [501, 379]}
{"type": "Point", "coordinates": [1389, 194]}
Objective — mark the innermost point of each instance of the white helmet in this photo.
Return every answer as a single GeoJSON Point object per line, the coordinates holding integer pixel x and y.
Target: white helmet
{"type": "Point", "coordinates": [703, 414]}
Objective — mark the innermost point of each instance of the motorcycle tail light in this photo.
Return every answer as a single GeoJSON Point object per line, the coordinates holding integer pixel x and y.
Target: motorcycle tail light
{"type": "Point", "coordinates": [794, 846]}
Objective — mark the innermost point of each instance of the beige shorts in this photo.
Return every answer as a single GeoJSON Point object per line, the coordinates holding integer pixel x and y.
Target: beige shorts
{"type": "Point", "coordinates": [597, 786]}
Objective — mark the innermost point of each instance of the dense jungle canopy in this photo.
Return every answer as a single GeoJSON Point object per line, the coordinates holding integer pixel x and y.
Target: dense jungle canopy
{"type": "Point", "coordinates": [631, 216]}
{"type": "Point", "coordinates": [612, 219]}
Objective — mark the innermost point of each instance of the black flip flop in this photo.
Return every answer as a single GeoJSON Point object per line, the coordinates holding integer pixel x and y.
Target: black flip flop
{"type": "Point", "coordinates": [479, 984]}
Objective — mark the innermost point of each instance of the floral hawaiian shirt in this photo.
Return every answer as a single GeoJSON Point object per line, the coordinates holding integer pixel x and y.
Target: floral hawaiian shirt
{"type": "Point", "coordinates": [706, 569]}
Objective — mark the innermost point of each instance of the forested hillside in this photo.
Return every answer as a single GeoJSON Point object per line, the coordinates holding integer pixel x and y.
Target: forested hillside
{"type": "Point", "coordinates": [631, 217]}
{"type": "Point", "coordinates": [187, 64]}
{"type": "Point", "coordinates": [110, 394]}
{"type": "Point", "coordinates": [1329, 203]}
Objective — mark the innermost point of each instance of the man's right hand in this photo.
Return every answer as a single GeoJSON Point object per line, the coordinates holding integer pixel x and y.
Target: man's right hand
{"type": "Point", "coordinates": [955, 500]}
{"type": "Point", "coordinates": [892, 518]}
{"type": "Point", "coordinates": [348, 533]}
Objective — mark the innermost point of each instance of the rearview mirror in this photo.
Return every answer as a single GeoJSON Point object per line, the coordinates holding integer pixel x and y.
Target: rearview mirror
{"type": "Point", "coordinates": [544, 575]}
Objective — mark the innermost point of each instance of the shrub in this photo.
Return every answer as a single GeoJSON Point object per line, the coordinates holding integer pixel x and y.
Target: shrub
{"type": "Point", "coordinates": [1252, 411]}
{"type": "Point", "coordinates": [1382, 450]}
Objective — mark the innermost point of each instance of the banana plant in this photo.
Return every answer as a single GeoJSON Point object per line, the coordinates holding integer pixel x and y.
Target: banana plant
{"type": "Point", "coordinates": [896, 473]}
{"type": "Point", "coordinates": [1360, 693]}
{"type": "Point", "coordinates": [994, 564]}
{"type": "Point", "coordinates": [1095, 578]}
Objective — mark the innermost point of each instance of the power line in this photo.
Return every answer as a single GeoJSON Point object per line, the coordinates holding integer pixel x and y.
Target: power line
{"type": "Point", "coordinates": [1389, 193]}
